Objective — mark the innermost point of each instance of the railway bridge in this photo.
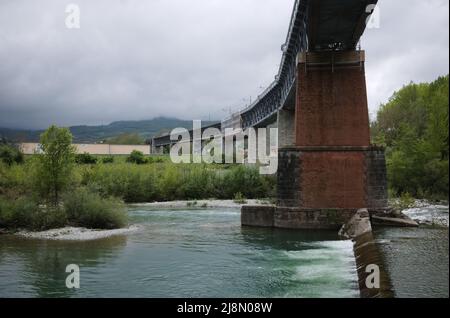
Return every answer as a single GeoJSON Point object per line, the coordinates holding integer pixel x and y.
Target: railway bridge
{"type": "Point", "coordinates": [327, 167]}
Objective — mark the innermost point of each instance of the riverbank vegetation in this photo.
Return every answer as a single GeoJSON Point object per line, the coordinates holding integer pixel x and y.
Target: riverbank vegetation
{"type": "Point", "coordinates": [59, 188]}
{"type": "Point", "coordinates": [413, 126]}
{"type": "Point", "coordinates": [43, 193]}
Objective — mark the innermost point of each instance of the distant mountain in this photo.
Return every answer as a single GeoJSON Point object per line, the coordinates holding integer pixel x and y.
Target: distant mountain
{"type": "Point", "coordinates": [92, 134]}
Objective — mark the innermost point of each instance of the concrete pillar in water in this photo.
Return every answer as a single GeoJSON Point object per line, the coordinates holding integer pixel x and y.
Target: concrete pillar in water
{"type": "Point", "coordinates": [332, 170]}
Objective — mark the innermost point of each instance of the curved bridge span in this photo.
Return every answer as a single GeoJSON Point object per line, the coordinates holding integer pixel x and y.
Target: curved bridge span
{"type": "Point", "coordinates": [316, 26]}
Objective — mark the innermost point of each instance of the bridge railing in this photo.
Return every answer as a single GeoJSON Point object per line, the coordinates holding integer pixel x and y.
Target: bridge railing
{"type": "Point", "coordinates": [275, 96]}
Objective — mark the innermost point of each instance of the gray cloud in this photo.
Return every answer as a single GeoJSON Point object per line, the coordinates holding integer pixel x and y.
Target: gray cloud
{"type": "Point", "coordinates": [135, 59]}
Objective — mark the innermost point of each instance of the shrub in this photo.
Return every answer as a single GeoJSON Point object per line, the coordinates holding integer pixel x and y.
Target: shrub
{"type": "Point", "coordinates": [85, 159]}
{"type": "Point", "coordinates": [16, 214]}
{"type": "Point", "coordinates": [164, 182]}
{"type": "Point", "coordinates": [130, 183]}
{"type": "Point", "coordinates": [239, 198]}
{"type": "Point", "coordinates": [89, 209]}
{"type": "Point", "coordinates": [196, 183]}
{"type": "Point", "coordinates": [137, 157]}
{"type": "Point", "coordinates": [10, 155]}
{"type": "Point", "coordinates": [25, 213]}
{"type": "Point", "coordinates": [14, 180]}
{"type": "Point", "coordinates": [108, 159]}
{"type": "Point", "coordinates": [170, 184]}
{"type": "Point", "coordinates": [405, 201]}
{"type": "Point", "coordinates": [49, 217]}
{"type": "Point", "coordinates": [246, 180]}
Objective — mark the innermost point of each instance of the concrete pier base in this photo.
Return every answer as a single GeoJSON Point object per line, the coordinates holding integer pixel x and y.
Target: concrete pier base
{"type": "Point", "coordinates": [295, 218]}
{"type": "Point", "coordinates": [309, 219]}
{"type": "Point", "coordinates": [258, 215]}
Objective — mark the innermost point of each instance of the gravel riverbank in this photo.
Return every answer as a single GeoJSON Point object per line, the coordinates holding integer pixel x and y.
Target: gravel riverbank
{"type": "Point", "coordinates": [202, 204]}
{"type": "Point", "coordinates": [76, 233]}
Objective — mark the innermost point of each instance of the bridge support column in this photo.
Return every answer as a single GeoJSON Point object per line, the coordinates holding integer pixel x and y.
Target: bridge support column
{"type": "Point", "coordinates": [286, 127]}
{"type": "Point", "coordinates": [332, 170]}
{"type": "Point", "coordinates": [328, 170]}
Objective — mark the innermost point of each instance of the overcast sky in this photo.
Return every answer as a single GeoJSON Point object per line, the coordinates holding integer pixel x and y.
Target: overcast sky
{"type": "Point", "coordinates": [191, 59]}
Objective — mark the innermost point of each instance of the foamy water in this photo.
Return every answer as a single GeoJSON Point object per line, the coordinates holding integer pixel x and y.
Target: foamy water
{"type": "Point", "coordinates": [430, 214]}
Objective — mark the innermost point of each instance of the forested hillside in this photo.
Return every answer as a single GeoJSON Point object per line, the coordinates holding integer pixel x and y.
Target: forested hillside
{"type": "Point", "coordinates": [91, 134]}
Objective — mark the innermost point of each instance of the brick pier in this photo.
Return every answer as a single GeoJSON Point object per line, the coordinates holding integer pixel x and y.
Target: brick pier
{"type": "Point", "coordinates": [330, 170]}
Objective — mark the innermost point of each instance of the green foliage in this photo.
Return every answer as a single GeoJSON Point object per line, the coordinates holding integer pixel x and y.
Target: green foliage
{"type": "Point", "coordinates": [108, 159]}
{"type": "Point", "coordinates": [88, 209]}
{"type": "Point", "coordinates": [25, 213]}
{"type": "Point", "coordinates": [130, 182]}
{"type": "Point", "coordinates": [14, 180]}
{"type": "Point", "coordinates": [405, 201]}
{"type": "Point", "coordinates": [85, 159]}
{"type": "Point", "coordinates": [14, 213]}
{"type": "Point", "coordinates": [413, 126]}
{"type": "Point", "coordinates": [10, 155]}
{"type": "Point", "coordinates": [246, 180]}
{"type": "Point", "coordinates": [137, 157]}
{"type": "Point", "coordinates": [53, 168]}
{"type": "Point", "coordinates": [239, 198]}
{"type": "Point", "coordinates": [168, 181]}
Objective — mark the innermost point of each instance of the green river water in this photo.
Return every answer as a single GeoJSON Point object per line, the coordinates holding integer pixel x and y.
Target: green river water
{"type": "Point", "coordinates": [205, 253]}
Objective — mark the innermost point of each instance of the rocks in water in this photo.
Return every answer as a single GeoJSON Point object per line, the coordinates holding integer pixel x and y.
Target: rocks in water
{"type": "Point", "coordinates": [358, 225]}
{"type": "Point", "coordinates": [393, 217]}
{"type": "Point", "coordinates": [403, 221]}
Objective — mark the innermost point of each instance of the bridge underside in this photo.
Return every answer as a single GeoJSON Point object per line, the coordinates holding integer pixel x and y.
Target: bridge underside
{"type": "Point", "coordinates": [337, 25]}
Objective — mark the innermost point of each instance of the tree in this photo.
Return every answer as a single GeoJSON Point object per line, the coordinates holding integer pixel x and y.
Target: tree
{"type": "Point", "coordinates": [55, 164]}
{"type": "Point", "coordinates": [10, 154]}
{"type": "Point", "coordinates": [413, 126]}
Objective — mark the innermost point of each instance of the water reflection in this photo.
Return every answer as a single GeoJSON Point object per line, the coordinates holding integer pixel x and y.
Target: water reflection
{"type": "Point", "coordinates": [416, 259]}
{"type": "Point", "coordinates": [36, 268]}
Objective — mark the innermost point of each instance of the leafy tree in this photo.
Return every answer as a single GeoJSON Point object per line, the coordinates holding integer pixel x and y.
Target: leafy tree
{"type": "Point", "coordinates": [413, 126]}
{"type": "Point", "coordinates": [54, 166]}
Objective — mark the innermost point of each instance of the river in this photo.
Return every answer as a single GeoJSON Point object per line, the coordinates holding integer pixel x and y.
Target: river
{"type": "Point", "coordinates": [417, 259]}
{"type": "Point", "coordinates": [204, 253]}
